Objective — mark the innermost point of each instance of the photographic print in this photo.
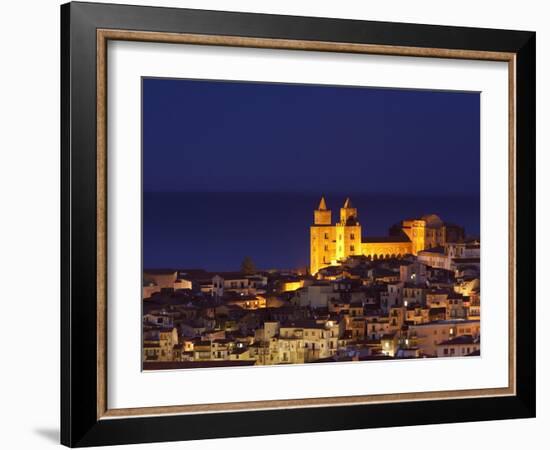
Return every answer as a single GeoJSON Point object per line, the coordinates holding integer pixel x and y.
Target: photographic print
{"type": "Point", "coordinates": [296, 224]}
{"type": "Point", "coordinates": [286, 197]}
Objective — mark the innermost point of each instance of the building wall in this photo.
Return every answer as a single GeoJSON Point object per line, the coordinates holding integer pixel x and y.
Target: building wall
{"type": "Point", "coordinates": [429, 335]}
{"type": "Point", "coordinates": [414, 229]}
{"type": "Point", "coordinates": [456, 350]}
{"type": "Point", "coordinates": [348, 241]}
{"type": "Point", "coordinates": [163, 280]}
{"type": "Point", "coordinates": [385, 249]}
{"type": "Point", "coordinates": [316, 296]}
{"type": "Point", "coordinates": [413, 273]}
{"type": "Point", "coordinates": [183, 284]}
{"type": "Point", "coordinates": [436, 260]}
{"type": "Point", "coordinates": [429, 232]}
{"type": "Point", "coordinates": [322, 246]}
{"type": "Point", "coordinates": [148, 291]}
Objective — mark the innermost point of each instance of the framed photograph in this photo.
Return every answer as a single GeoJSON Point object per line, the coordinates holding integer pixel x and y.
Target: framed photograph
{"type": "Point", "coordinates": [276, 224]}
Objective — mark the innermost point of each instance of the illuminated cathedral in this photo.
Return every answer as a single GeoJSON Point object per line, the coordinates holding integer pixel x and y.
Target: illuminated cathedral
{"type": "Point", "coordinates": [330, 244]}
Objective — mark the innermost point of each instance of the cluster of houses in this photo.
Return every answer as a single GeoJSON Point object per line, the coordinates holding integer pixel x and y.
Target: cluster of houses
{"type": "Point", "coordinates": [420, 306]}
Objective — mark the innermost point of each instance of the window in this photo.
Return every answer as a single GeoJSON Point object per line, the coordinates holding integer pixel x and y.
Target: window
{"type": "Point", "coordinates": [351, 248]}
{"type": "Point", "coordinates": [326, 235]}
{"type": "Point", "coordinates": [352, 236]}
{"type": "Point", "coordinates": [445, 351]}
{"type": "Point", "coordinates": [326, 248]}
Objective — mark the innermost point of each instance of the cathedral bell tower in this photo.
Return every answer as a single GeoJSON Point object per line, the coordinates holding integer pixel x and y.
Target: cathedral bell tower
{"type": "Point", "coordinates": [348, 233]}
{"type": "Point", "coordinates": [348, 214]}
{"type": "Point", "coordinates": [331, 244]}
{"type": "Point", "coordinates": [322, 215]}
{"type": "Point", "coordinates": [322, 238]}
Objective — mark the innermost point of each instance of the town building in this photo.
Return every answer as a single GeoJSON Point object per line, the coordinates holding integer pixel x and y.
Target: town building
{"type": "Point", "coordinates": [465, 345]}
{"type": "Point", "coordinates": [429, 335]}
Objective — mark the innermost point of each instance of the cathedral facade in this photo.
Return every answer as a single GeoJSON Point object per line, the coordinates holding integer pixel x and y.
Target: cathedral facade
{"type": "Point", "coordinates": [332, 243]}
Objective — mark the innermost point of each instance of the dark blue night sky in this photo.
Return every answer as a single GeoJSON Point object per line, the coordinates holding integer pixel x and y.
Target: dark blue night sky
{"type": "Point", "coordinates": [219, 139]}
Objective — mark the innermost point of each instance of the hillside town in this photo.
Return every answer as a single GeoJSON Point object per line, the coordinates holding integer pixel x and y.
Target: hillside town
{"type": "Point", "coordinates": [412, 294]}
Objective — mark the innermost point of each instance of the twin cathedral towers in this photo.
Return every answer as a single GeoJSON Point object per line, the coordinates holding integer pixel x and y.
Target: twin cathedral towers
{"type": "Point", "coordinates": [330, 244]}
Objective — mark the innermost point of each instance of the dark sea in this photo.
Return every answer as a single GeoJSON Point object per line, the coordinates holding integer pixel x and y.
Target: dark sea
{"type": "Point", "coordinates": [215, 231]}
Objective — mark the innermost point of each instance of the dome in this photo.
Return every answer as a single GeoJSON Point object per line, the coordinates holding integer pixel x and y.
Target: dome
{"type": "Point", "coordinates": [432, 220]}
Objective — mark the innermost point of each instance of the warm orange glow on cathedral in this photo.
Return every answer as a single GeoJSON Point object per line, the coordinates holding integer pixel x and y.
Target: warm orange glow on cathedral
{"type": "Point", "coordinates": [331, 244]}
